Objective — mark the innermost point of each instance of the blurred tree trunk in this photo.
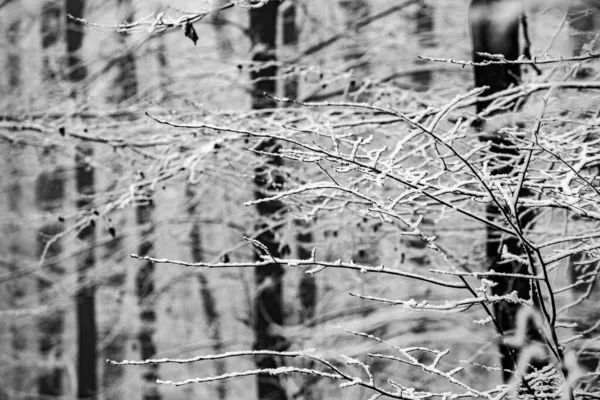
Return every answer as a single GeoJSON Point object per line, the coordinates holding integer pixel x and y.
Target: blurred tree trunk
{"type": "Point", "coordinates": [304, 238]}
{"type": "Point", "coordinates": [87, 374]}
{"type": "Point", "coordinates": [213, 319]}
{"type": "Point", "coordinates": [50, 32]}
{"type": "Point", "coordinates": [87, 337]}
{"type": "Point", "coordinates": [19, 289]}
{"type": "Point", "coordinates": [145, 293]}
{"type": "Point", "coordinates": [114, 347]}
{"type": "Point", "coordinates": [492, 31]}
{"type": "Point", "coordinates": [307, 289]}
{"type": "Point", "coordinates": [223, 40]}
{"type": "Point", "coordinates": [424, 30]}
{"type": "Point", "coordinates": [289, 40]}
{"type": "Point", "coordinates": [50, 193]}
{"type": "Point", "coordinates": [126, 84]}
{"type": "Point", "coordinates": [268, 303]}
{"type": "Point", "coordinates": [164, 75]}
{"type": "Point", "coordinates": [496, 36]}
{"type": "Point", "coordinates": [76, 71]}
{"type": "Point", "coordinates": [13, 61]}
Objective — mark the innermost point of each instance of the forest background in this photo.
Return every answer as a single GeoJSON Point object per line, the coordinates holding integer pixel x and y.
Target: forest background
{"type": "Point", "coordinates": [95, 171]}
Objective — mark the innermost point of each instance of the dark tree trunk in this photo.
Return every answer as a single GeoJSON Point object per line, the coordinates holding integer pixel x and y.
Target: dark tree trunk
{"type": "Point", "coordinates": [87, 385]}
{"type": "Point", "coordinates": [145, 292]}
{"type": "Point", "coordinates": [307, 289]}
{"type": "Point", "coordinates": [50, 189]}
{"type": "Point", "coordinates": [13, 62]}
{"type": "Point", "coordinates": [126, 83]}
{"type": "Point", "coordinates": [116, 340]}
{"type": "Point", "coordinates": [209, 306]}
{"type": "Point", "coordinates": [304, 238]}
{"type": "Point", "coordinates": [87, 374]}
{"type": "Point", "coordinates": [491, 34]}
{"type": "Point", "coordinates": [50, 32]}
{"type": "Point", "coordinates": [496, 36]}
{"type": "Point", "coordinates": [268, 304]}
{"type": "Point", "coordinates": [290, 39]}
{"type": "Point", "coordinates": [76, 71]}
{"type": "Point", "coordinates": [125, 87]}
{"type": "Point", "coordinates": [424, 30]}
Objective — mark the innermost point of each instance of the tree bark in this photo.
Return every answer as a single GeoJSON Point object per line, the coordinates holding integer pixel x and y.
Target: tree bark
{"type": "Point", "coordinates": [424, 30]}
{"type": "Point", "coordinates": [223, 41]}
{"type": "Point", "coordinates": [13, 60]}
{"type": "Point", "coordinates": [126, 83]}
{"type": "Point", "coordinates": [213, 319]}
{"type": "Point", "coordinates": [493, 32]}
{"type": "Point", "coordinates": [49, 198]}
{"type": "Point", "coordinates": [125, 86]}
{"type": "Point", "coordinates": [268, 303]}
{"type": "Point", "coordinates": [145, 294]}
{"type": "Point", "coordinates": [50, 32]}
{"type": "Point", "coordinates": [289, 36]}
{"type": "Point", "coordinates": [19, 289]}
{"type": "Point", "coordinates": [76, 71]}
{"type": "Point", "coordinates": [87, 337]}
{"type": "Point", "coordinates": [307, 288]}
{"type": "Point", "coordinates": [494, 35]}
{"type": "Point", "coordinates": [116, 340]}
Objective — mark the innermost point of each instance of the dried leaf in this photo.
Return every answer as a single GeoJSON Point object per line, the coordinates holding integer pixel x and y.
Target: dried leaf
{"type": "Point", "coordinates": [190, 32]}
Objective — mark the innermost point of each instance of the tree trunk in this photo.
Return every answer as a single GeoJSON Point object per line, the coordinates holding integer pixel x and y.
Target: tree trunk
{"type": "Point", "coordinates": [50, 189]}
{"type": "Point", "coordinates": [268, 304]}
{"type": "Point", "coordinates": [115, 347]}
{"type": "Point", "coordinates": [307, 288]}
{"type": "Point", "coordinates": [50, 32]}
{"type": "Point", "coordinates": [208, 300]}
{"type": "Point", "coordinates": [290, 39]}
{"type": "Point", "coordinates": [145, 294]}
{"type": "Point", "coordinates": [87, 374]}
{"type": "Point", "coordinates": [85, 299]}
{"type": "Point", "coordinates": [13, 60]}
{"type": "Point", "coordinates": [20, 288]}
{"type": "Point", "coordinates": [223, 41]}
{"type": "Point", "coordinates": [495, 35]}
{"type": "Point", "coordinates": [424, 30]}
{"type": "Point", "coordinates": [126, 83]}
{"type": "Point", "coordinates": [76, 71]}
{"type": "Point", "coordinates": [125, 86]}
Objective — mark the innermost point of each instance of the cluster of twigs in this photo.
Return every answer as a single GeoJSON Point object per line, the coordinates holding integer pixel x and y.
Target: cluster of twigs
{"type": "Point", "coordinates": [402, 165]}
{"type": "Point", "coordinates": [382, 163]}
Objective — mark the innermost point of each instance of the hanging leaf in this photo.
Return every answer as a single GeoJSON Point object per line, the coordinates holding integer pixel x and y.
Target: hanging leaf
{"type": "Point", "coordinates": [190, 32]}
